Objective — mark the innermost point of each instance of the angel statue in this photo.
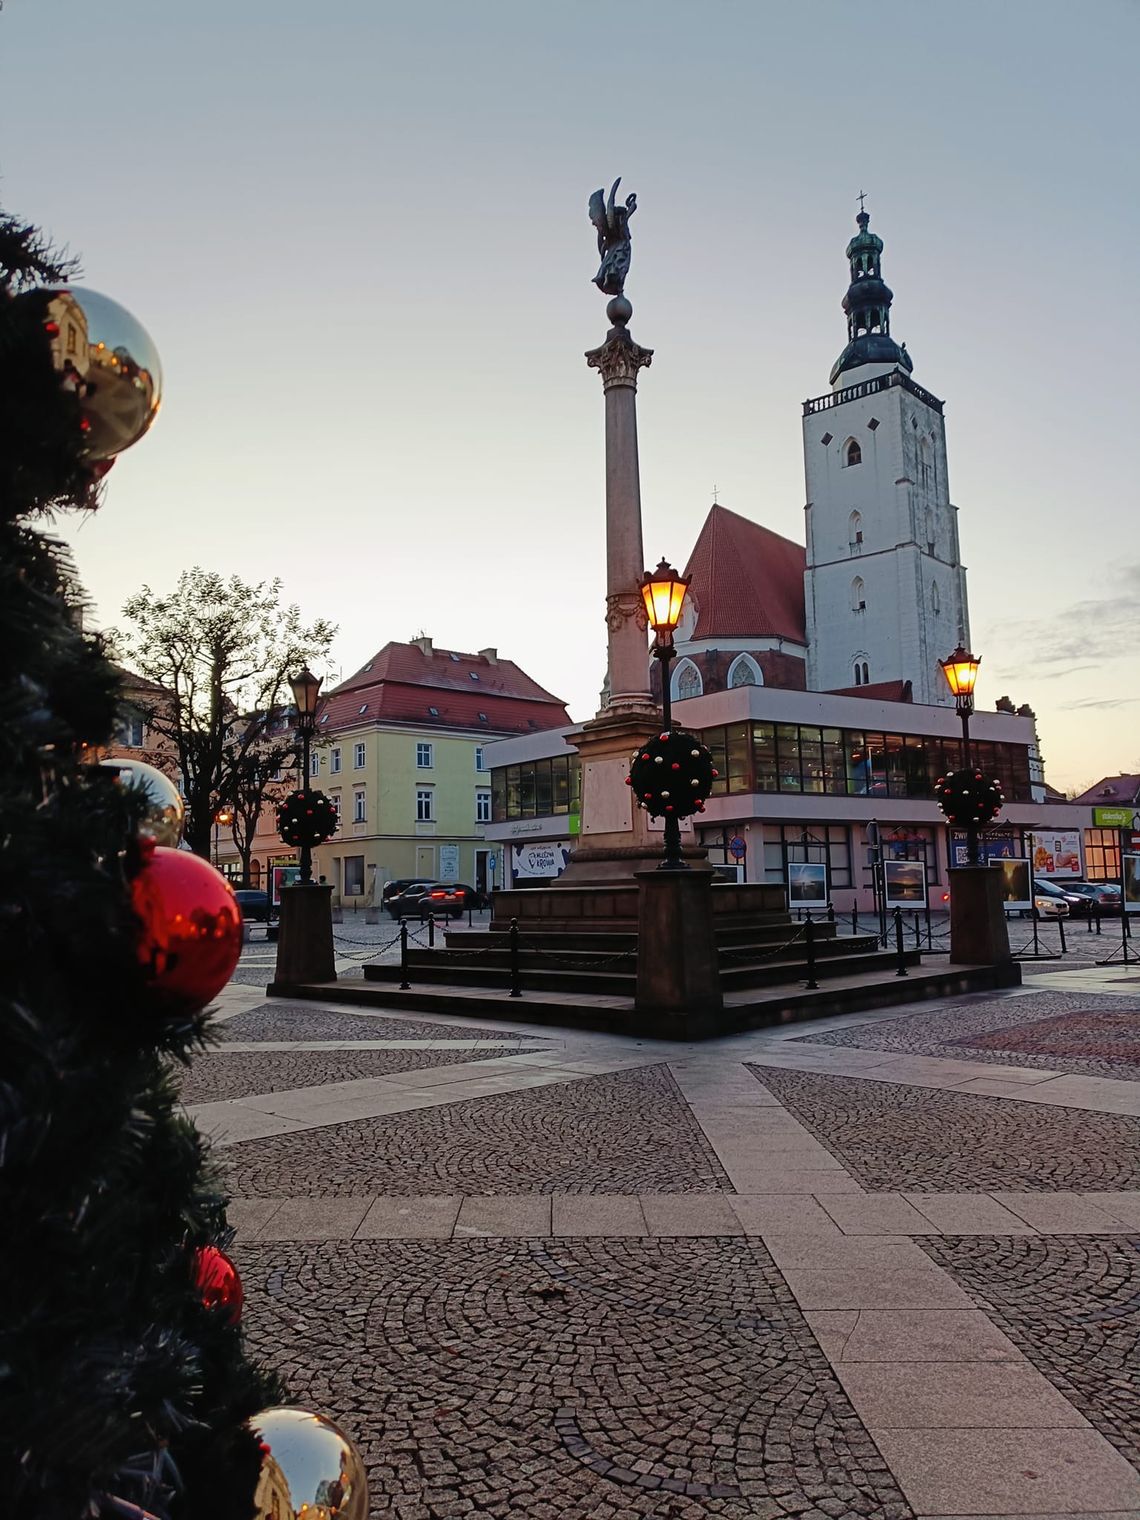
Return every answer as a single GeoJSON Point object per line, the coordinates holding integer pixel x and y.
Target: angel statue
{"type": "Point", "coordinates": [612, 223]}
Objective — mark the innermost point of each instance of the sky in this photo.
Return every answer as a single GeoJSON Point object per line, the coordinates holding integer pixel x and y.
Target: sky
{"type": "Point", "coordinates": [357, 233]}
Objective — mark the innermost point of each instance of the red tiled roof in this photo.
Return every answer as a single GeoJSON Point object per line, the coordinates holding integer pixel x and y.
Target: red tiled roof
{"type": "Point", "coordinates": [880, 691]}
{"type": "Point", "coordinates": [1112, 791]}
{"type": "Point", "coordinates": [746, 580]}
{"type": "Point", "coordinates": [402, 684]}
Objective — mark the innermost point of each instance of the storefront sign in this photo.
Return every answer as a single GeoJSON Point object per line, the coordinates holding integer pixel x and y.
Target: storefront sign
{"type": "Point", "coordinates": [545, 860]}
{"type": "Point", "coordinates": [1112, 817]}
{"type": "Point", "coordinates": [523, 826]}
{"type": "Point", "coordinates": [1055, 854]}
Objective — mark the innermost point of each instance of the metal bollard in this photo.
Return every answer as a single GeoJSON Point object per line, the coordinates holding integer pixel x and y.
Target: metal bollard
{"type": "Point", "coordinates": [899, 946]}
{"type": "Point", "coordinates": [809, 946]}
{"type": "Point", "coordinates": [831, 913]}
{"type": "Point", "coordinates": [1096, 913]}
{"type": "Point", "coordinates": [1061, 926]}
{"type": "Point", "coordinates": [405, 985]}
{"type": "Point", "coordinates": [516, 985]}
{"type": "Point", "coordinates": [917, 932]}
{"type": "Point", "coordinates": [854, 920]}
{"type": "Point", "coordinates": [431, 931]}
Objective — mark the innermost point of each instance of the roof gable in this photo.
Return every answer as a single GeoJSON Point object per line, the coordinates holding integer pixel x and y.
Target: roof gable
{"type": "Point", "coordinates": [747, 582]}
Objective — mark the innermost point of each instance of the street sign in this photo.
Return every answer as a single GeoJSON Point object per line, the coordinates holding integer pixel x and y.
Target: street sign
{"type": "Point", "coordinates": [737, 848]}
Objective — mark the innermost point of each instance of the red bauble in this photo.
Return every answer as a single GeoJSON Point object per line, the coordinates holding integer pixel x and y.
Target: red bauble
{"type": "Point", "coordinates": [191, 931]}
{"type": "Point", "coordinates": [218, 1283]}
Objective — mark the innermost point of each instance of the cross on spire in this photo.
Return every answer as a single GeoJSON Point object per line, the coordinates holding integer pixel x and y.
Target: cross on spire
{"type": "Point", "coordinates": [862, 196]}
{"type": "Point", "coordinates": [715, 502]}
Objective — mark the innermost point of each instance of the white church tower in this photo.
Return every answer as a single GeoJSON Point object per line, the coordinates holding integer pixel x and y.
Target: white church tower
{"type": "Point", "coordinates": [884, 586]}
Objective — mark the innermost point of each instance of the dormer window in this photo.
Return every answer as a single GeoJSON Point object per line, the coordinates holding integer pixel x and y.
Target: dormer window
{"type": "Point", "coordinates": [854, 454]}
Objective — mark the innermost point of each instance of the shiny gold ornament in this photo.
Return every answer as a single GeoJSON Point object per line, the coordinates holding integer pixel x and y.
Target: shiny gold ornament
{"type": "Point", "coordinates": [309, 1468]}
{"type": "Point", "coordinates": [109, 360]}
{"type": "Point", "coordinates": [165, 810]}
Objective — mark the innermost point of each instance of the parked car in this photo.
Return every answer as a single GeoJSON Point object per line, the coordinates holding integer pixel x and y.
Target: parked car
{"type": "Point", "coordinates": [450, 899]}
{"type": "Point", "coordinates": [1050, 901]}
{"type": "Point", "coordinates": [404, 900]}
{"type": "Point", "coordinates": [1102, 895]}
{"type": "Point", "coordinates": [254, 904]}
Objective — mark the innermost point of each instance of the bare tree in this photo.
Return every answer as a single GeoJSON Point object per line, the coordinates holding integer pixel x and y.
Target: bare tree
{"type": "Point", "coordinates": [223, 652]}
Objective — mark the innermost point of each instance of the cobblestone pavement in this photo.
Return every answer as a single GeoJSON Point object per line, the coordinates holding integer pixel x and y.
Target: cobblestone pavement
{"type": "Point", "coordinates": [563, 1380]}
{"type": "Point", "coordinates": [1072, 1305]}
{"type": "Point", "coordinates": [1053, 1031]}
{"type": "Point", "coordinates": [215, 1075]}
{"type": "Point", "coordinates": [625, 1132]}
{"type": "Point", "coordinates": [896, 1138]}
{"type": "Point", "coordinates": [275, 1020]}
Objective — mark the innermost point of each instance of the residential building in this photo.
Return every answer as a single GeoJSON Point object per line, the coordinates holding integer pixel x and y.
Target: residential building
{"type": "Point", "coordinates": [401, 750]}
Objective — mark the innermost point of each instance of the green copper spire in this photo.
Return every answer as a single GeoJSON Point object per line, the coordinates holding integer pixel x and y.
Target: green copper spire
{"type": "Point", "coordinates": [868, 307]}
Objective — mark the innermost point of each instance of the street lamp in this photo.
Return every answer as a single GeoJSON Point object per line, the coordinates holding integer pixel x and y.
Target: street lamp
{"type": "Point", "coordinates": [306, 690]}
{"type": "Point", "coordinates": [663, 592]}
{"type": "Point", "coordinates": [223, 816]}
{"type": "Point", "coordinates": [961, 672]}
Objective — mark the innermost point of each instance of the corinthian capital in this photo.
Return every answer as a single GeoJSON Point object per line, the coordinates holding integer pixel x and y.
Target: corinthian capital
{"type": "Point", "coordinates": [619, 359]}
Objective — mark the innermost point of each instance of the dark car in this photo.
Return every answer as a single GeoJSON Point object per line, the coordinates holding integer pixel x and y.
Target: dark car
{"type": "Point", "coordinates": [254, 904]}
{"type": "Point", "coordinates": [404, 900]}
{"type": "Point", "coordinates": [450, 899]}
{"type": "Point", "coordinates": [1102, 895]}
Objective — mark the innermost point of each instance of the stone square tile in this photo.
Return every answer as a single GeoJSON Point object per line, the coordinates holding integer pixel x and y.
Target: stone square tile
{"type": "Point", "coordinates": [1003, 1472]}
{"type": "Point", "coordinates": [887, 1253]}
{"type": "Point", "coordinates": [751, 1177]}
{"type": "Point", "coordinates": [612, 1215]}
{"type": "Point", "coordinates": [315, 1219]}
{"type": "Point", "coordinates": [873, 1287]}
{"type": "Point", "coordinates": [506, 1215]}
{"type": "Point", "coordinates": [247, 1215]}
{"type": "Point", "coordinates": [968, 1214]}
{"type": "Point", "coordinates": [228, 1122]}
{"type": "Point", "coordinates": [783, 1214]}
{"type": "Point", "coordinates": [692, 1214]}
{"type": "Point", "coordinates": [956, 1395]}
{"type": "Point", "coordinates": [1122, 1206]}
{"type": "Point", "coordinates": [878, 1214]}
{"type": "Point", "coordinates": [1063, 1213]}
{"type": "Point", "coordinates": [427, 1218]}
{"type": "Point", "coordinates": [918, 1335]}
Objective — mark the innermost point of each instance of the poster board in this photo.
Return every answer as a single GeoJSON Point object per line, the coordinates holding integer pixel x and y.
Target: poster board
{"type": "Point", "coordinates": [1130, 872]}
{"type": "Point", "coordinates": [904, 883]}
{"type": "Point", "coordinates": [807, 884]}
{"type": "Point", "coordinates": [282, 876]}
{"type": "Point", "coordinates": [1016, 883]}
{"type": "Point", "coordinates": [1055, 852]}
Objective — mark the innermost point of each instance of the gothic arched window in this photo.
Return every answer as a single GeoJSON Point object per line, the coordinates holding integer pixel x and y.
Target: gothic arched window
{"type": "Point", "coordinates": [687, 681]}
{"type": "Point", "coordinates": [855, 529]}
{"type": "Point", "coordinates": [858, 597]}
{"type": "Point", "coordinates": [935, 599]}
{"type": "Point", "coordinates": [854, 454]}
{"type": "Point", "coordinates": [858, 674]}
{"type": "Point", "coordinates": [866, 675]}
{"type": "Point", "coordinates": [744, 671]}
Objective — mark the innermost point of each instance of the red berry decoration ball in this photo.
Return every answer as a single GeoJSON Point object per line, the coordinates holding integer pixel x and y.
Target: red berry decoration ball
{"type": "Point", "coordinates": [306, 818]}
{"type": "Point", "coordinates": [688, 783]}
{"type": "Point", "coordinates": [968, 797]}
{"type": "Point", "coordinates": [218, 1283]}
{"type": "Point", "coordinates": [190, 929]}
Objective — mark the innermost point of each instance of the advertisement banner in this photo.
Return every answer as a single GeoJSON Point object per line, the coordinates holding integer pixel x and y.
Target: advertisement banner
{"type": "Point", "coordinates": [1055, 853]}
{"type": "Point", "coordinates": [544, 861]}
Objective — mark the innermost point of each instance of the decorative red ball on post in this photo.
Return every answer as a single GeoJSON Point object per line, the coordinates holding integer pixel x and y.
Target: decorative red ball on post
{"type": "Point", "coordinates": [190, 933]}
{"type": "Point", "coordinates": [218, 1283]}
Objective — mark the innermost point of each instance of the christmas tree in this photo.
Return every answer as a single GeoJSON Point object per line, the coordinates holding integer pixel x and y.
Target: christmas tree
{"type": "Point", "coordinates": [123, 1391]}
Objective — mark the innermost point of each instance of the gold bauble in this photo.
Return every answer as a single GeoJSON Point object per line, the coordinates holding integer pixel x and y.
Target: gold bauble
{"type": "Point", "coordinates": [309, 1467]}
{"type": "Point", "coordinates": [109, 360]}
{"type": "Point", "coordinates": [165, 809]}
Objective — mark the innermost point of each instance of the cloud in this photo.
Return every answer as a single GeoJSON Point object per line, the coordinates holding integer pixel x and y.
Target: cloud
{"type": "Point", "coordinates": [1089, 702]}
{"type": "Point", "coordinates": [1097, 630]}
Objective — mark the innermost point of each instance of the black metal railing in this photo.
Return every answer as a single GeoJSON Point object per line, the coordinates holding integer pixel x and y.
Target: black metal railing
{"type": "Point", "coordinates": [872, 388]}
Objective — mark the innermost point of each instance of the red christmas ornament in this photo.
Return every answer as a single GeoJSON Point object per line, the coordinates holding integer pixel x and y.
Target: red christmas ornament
{"type": "Point", "coordinates": [52, 329]}
{"type": "Point", "coordinates": [664, 738]}
{"type": "Point", "coordinates": [218, 1283]}
{"type": "Point", "coordinates": [676, 766]}
{"type": "Point", "coordinates": [645, 757]}
{"type": "Point", "coordinates": [190, 928]}
{"type": "Point", "coordinates": [629, 781]}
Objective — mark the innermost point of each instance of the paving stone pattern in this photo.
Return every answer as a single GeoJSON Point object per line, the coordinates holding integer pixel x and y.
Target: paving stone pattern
{"type": "Point", "coordinates": [1072, 1305]}
{"type": "Point", "coordinates": [1055, 1031]}
{"type": "Point", "coordinates": [216, 1075]}
{"type": "Point", "coordinates": [625, 1132]}
{"type": "Point", "coordinates": [301, 1021]}
{"type": "Point", "coordinates": [605, 1378]}
{"type": "Point", "coordinates": [896, 1138]}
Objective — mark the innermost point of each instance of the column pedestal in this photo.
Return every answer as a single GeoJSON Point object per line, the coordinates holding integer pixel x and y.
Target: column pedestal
{"type": "Point", "coordinates": [979, 935]}
{"type": "Point", "coordinates": [304, 940]}
{"type": "Point", "coordinates": [678, 975]}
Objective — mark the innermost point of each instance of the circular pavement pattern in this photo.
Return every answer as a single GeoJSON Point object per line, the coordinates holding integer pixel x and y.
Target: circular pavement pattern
{"type": "Point", "coordinates": [301, 1021]}
{"type": "Point", "coordinates": [557, 1380]}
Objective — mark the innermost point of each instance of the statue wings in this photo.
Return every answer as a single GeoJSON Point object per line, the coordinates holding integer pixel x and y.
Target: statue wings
{"type": "Point", "coordinates": [602, 215]}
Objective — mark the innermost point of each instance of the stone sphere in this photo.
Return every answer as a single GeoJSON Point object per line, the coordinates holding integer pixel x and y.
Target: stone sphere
{"type": "Point", "coordinates": [619, 310]}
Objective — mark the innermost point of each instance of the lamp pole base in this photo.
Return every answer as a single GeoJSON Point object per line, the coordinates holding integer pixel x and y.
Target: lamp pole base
{"type": "Point", "coordinates": [304, 939]}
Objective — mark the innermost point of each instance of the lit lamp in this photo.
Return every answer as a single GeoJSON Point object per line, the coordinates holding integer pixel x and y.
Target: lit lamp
{"type": "Point", "coordinates": [306, 690]}
{"type": "Point", "coordinates": [961, 672]}
{"type": "Point", "coordinates": [224, 815]}
{"type": "Point", "coordinates": [663, 592]}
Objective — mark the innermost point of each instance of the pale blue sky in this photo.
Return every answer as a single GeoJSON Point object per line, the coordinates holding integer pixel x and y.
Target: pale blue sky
{"type": "Point", "coordinates": [357, 232]}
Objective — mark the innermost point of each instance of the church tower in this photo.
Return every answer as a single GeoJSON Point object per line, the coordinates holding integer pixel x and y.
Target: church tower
{"type": "Point", "coordinates": [884, 586]}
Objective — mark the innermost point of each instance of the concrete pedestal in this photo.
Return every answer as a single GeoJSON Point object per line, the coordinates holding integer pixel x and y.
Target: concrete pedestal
{"type": "Point", "coordinates": [304, 941]}
{"type": "Point", "coordinates": [678, 977]}
{"type": "Point", "coordinates": [979, 935]}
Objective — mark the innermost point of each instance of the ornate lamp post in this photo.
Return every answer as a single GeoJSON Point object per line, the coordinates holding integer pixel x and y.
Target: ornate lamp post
{"type": "Point", "coordinates": [663, 592]}
{"type": "Point", "coordinates": [306, 690]}
{"type": "Point", "coordinates": [961, 672]}
{"type": "Point", "coordinates": [224, 815]}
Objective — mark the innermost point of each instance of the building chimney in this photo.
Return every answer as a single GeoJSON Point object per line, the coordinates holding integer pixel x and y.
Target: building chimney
{"type": "Point", "coordinates": [490, 655]}
{"type": "Point", "coordinates": [423, 644]}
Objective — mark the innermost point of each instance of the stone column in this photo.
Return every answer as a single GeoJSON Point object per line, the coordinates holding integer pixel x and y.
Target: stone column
{"type": "Point", "coordinates": [618, 361]}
